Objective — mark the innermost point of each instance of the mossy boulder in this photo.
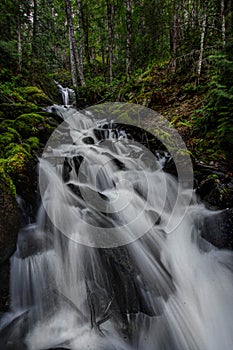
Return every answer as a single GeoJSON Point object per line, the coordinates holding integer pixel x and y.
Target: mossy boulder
{"type": "Point", "coordinates": [13, 110]}
{"type": "Point", "coordinates": [29, 124]}
{"type": "Point", "coordinates": [20, 165]}
{"type": "Point", "coordinates": [9, 217]}
{"type": "Point", "coordinates": [35, 95]}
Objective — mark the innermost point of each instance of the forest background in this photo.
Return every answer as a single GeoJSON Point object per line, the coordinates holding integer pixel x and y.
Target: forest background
{"type": "Point", "coordinates": [172, 56]}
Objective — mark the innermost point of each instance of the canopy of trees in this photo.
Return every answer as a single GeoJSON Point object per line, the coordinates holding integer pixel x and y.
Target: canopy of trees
{"type": "Point", "coordinates": [87, 43]}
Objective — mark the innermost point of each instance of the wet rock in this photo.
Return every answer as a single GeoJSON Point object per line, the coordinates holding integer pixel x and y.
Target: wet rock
{"type": "Point", "coordinates": [216, 191]}
{"type": "Point", "coordinates": [4, 286]}
{"type": "Point", "coordinates": [218, 229]}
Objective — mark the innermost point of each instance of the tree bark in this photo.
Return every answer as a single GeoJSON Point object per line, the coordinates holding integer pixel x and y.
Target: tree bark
{"type": "Point", "coordinates": [202, 44]}
{"type": "Point", "coordinates": [80, 40]}
{"type": "Point", "coordinates": [174, 38]}
{"type": "Point", "coordinates": [110, 36]}
{"type": "Point", "coordinates": [75, 51]}
{"type": "Point", "coordinates": [128, 36]}
{"type": "Point", "coordinates": [72, 63]}
{"type": "Point", "coordinates": [34, 40]}
{"type": "Point", "coordinates": [223, 22]}
{"type": "Point", "coordinates": [19, 45]}
{"type": "Point", "coordinates": [85, 25]}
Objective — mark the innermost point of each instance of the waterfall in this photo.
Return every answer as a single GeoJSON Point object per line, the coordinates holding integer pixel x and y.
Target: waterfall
{"type": "Point", "coordinates": [85, 277]}
{"type": "Point", "coordinates": [67, 94]}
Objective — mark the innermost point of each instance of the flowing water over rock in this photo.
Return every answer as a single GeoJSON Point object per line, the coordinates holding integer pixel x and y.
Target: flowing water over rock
{"type": "Point", "coordinates": [105, 274]}
{"type": "Point", "coordinates": [67, 94]}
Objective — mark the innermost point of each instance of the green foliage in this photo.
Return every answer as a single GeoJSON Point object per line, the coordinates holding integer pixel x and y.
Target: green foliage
{"type": "Point", "coordinates": [216, 116]}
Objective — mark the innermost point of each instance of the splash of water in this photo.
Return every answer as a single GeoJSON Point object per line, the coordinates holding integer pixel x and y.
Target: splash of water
{"type": "Point", "coordinates": [158, 291]}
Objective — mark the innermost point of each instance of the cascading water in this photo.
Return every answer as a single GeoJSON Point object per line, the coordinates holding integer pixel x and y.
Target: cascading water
{"type": "Point", "coordinates": [67, 94]}
{"type": "Point", "coordinates": [85, 277]}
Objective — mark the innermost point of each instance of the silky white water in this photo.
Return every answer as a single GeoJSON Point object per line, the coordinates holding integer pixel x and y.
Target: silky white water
{"type": "Point", "coordinates": [98, 269]}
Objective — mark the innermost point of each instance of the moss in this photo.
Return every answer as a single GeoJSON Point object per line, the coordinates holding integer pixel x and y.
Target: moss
{"type": "Point", "coordinates": [7, 138]}
{"type": "Point", "coordinates": [33, 142]}
{"type": "Point", "coordinates": [40, 99]}
{"type": "Point", "coordinates": [6, 181]}
{"type": "Point", "coordinates": [29, 90]}
{"type": "Point", "coordinates": [29, 124]}
{"type": "Point", "coordinates": [17, 158]}
{"type": "Point", "coordinates": [13, 110]}
{"type": "Point", "coordinates": [35, 95]}
{"type": "Point", "coordinates": [5, 124]}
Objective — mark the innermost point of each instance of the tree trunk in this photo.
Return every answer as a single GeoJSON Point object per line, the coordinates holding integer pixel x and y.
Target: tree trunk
{"type": "Point", "coordinates": [110, 36]}
{"type": "Point", "coordinates": [80, 41]}
{"type": "Point", "coordinates": [72, 63]}
{"type": "Point", "coordinates": [19, 44]}
{"type": "Point", "coordinates": [85, 25]}
{"type": "Point", "coordinates": [128, 36]}
{"type": "Point", "coordinates": [34, 40]}
{"type": "Point", "coordinates": [75, 51]}
{"type": "Point", "coordinates": [202, 45]}
{"type": "Point", "coordinates": [223, 23]}
{"type": "Point", "coordinates": [174, 38]}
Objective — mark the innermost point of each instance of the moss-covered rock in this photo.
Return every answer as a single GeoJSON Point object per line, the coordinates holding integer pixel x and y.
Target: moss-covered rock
{"type": "Point", "coordinates": [29, 124]}
{"type": "Point", "coordinates": [13, 110]}
{"type": "Point", "coordinates": [35, 95]}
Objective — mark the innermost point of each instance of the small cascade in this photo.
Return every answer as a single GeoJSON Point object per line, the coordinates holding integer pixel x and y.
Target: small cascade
{"type": "Point", "coordinates": [158, 291]}
{"type": "Point", "coordinates": [68, 95]}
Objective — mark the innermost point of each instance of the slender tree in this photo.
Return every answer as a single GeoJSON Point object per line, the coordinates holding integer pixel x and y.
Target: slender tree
{"type": "Point", "coordinates": [202, 42]}
{"type": "Point", "coordinates": [174, 37]}
{"type": "Point", "coordinates": [79, 12]}
{"type": "Point", "coordinates": [86, 29]}
{"type": "Point", "coordinates": [128, 36]}
{"type": "Point", "coordinates": [19, 42]}
{"type": "Point", "coordinates": [76, 53]}
{"type": "Point", "coordinates": [223, 23]}
{"type": "Point", "coordinates": [72, 63]}
{"type": "Point", "coordinates": [110, 36]}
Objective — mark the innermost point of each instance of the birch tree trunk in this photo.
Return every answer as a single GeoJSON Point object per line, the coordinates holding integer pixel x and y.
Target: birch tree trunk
{"type": "Point", "coordinates": [80, 41]}
{"type": "Point", "coordinates": [34, 40]}
{"type": "Point", "coordinates": [110, 36]}
{"type": "Point", "coordinates": [223, 22]}
{"type": "Point", "coordinates": [202, 44]}
{"type": "Point", "coordinates": [76, 55]}
{"type": "Point", "coordinates": [128, 36]}
{"type": "Point", "coordinates": [72, 63]}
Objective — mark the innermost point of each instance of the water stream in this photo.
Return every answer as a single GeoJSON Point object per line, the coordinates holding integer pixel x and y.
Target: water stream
{"type": "Point", "coordinates": [157, 291]}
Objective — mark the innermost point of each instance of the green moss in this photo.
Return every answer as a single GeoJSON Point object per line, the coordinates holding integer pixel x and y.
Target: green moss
{"type": "Point", "coordinates": [13, 110]}
{"type": "Point", "coordinates": [7, 138]}
{"type": "Point", "coordinates": [6, 181]}
{"type": "Point", "coordinates": [5, 124]}
{"type": "Point", "coordinates": [33, 142]}
{"type": "Point", "coordinates": [40, 99]}
{"type": "Point", "coordinates": [35, 95]}
{"type": "Point", "coordinates": [17, 158]}
{"type": "Point", "coordinates": [29, 124]}
{"type": "Point", "coordinates": [29, 90]}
